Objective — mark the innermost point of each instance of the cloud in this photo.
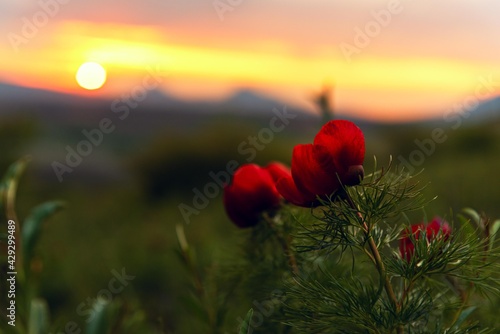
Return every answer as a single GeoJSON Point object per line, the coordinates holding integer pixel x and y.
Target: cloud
{"type": "Point", "coordinates": [448, 28]}
{"type": "Point", "coordinates": [288, 45]}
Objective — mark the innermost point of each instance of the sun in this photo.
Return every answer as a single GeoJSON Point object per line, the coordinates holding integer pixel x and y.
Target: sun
{"type": "Point", "coordinates": [91, 75]}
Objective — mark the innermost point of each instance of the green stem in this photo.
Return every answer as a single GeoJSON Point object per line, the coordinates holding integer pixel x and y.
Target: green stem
{"type": "Point", "coordinates": [285, 245]}
{"type": "Point", "coordinates": [10, 202]}
{"type": "Point", "coordinates": [292, 262]}
{"type": "Point", "coordinates": [197, 279]}
{"type": "Point", "coordinates": [464, 296]}
{"type": "Point", "coordinates": [407, 291]}
{"type": "Point", "coordinates": [377, 260]}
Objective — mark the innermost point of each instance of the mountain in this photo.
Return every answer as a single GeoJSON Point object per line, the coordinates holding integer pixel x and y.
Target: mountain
{"type": "Point", "coordinates": [168, 110]}
{"type": "Point", "coordinates": [241, 101]}
{"type": "Point", "coordinates": [248, 100]}
{"type": "Point", "coordinates": [158, 114]}
{"type": "Point", "coordinates": [486, 111]}
{"type": "Point", "coordinates": [11, 93]}
{"type": "Point", "coordinates": [62, 120]}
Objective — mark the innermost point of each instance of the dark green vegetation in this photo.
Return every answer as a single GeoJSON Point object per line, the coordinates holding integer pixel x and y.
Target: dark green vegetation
{"type": "Point", "coordinates": [122, 207]}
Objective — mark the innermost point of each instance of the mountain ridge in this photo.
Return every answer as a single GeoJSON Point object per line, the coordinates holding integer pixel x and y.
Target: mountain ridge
{"type": "Point", "coordinates": [243, 102]}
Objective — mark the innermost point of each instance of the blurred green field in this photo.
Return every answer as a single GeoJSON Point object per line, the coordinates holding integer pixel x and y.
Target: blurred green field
{"type": "Point", "coordinates": [130, 223]}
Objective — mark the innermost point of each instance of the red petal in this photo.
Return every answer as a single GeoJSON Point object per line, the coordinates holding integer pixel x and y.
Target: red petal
{"type": "Point", "coordinates": [308, 170]}
{"type": "Point", "coordinates": [406, 247]}
{"type": "Point", "coordinates": [345, 143]}
{"type": "Point", "coordinates": [251, 192]}
{"type": "Point", "coordinates": [278, 170]}
{"type": "Point", "coordinates": [289, 191]}
{"type": "Point", "coordinates": [436, 225]}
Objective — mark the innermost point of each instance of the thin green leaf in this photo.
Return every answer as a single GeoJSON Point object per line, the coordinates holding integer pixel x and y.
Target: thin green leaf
{"type": "Point", "coordinates": [474, 215]}
{"type": "Point", "coordinates": [100, 322]}
{"type": "Point", "coordinates": [493, 233]}
{"type": "Point", "coordinates": [9, 183]}
{"type": "Point", "coordinates": [181, 237]}
{"type": "Point", "coordinates": [39, 317]}
{"type": "Point", "coordinates": [245, 325]}
{"type": "Point", "coordinates": [465, 313]}
{"type": "Point", "coordinates": [30, 231]}
{"type": "Point", "coordinates": [14, 171]}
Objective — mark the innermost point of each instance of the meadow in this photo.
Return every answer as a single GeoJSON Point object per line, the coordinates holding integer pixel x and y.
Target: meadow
{"type": "Point", "coordinates": [125, 220]}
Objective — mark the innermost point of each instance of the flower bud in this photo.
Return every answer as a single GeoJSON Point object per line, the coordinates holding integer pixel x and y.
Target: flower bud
{"type": "Point", "coordinates": [436, 228]}
{"type": "Point", "coordinates": [251, 192]}
{"type": "Point", "coordinates": [320, 169]}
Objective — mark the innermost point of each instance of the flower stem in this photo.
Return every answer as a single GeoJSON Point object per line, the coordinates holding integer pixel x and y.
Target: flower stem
{"type": "Point", "coordinates": [407, 291]}
{"type": "Point", "coordinates": [10, 210]}
{"type": "Point", "coordinates": [285, 245]}
{"type": "Point", "coordinates": [377, 260]}
{"type": "Point", "coordinates": [463, 295]}
{"type": "Point", "coordinates": [291, 257]}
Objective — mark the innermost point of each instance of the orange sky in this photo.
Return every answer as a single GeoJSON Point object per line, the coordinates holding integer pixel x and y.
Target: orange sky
{"type": "Point", "coordinates": [406, 70]}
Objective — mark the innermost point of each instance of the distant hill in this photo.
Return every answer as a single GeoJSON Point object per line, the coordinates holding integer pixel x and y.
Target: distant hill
{"type": "Point", "coordinates": [243, 100]}
{"type": "Point", "coordinates": [162, 117]}
{"type": "Point", "coordinates": [157, 113]}
{"type": "Point", "coordinates": [487, 111]}
{"type": "Point", "coordinates": [160, 111]}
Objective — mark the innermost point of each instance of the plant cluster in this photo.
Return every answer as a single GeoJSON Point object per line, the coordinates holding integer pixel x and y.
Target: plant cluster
{"type": "Point", "coordinates": [23, 309]}
{"type": "Point", "coordinates": [326, 236]}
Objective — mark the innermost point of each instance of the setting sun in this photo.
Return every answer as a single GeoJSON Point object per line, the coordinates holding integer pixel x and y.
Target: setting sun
{"type": "Point", "coordinates": [91, 76]}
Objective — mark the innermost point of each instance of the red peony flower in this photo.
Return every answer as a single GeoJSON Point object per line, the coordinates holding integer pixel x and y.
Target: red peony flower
{"type": "Point", "coordinates": [277, 170]}
{"type": "Point", "coordinates": [251, 192]}
{"type": "Point", "coordinates": [406, 246]}
{"type": "Point", "coordinates": [319, 169]}
{"type": "Point", "coordinates": [436, 225]}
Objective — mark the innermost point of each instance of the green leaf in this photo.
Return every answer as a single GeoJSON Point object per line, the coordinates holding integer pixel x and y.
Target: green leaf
{"type": "Point", "coordinates": [474, 215]}
{"type": "Point", "coordinates": [245, 325]}
{"type": "Point", "coordinates": [14, 171]}
{"type": "Point", "coordinates": [100, 322]}
{"type": "Point", "coordinates": [493, 233]}
{"type": "Point", "coordinates": [469, 229]}
{"type": "Point", "coordinates": [8, 185]}
{"type": "Point", "coordinates": [39, 317]}
{"type": "Point", "coordinates": [465, 313]}
{"type": "Point", "coordinates": [181, 237]}
{"type": "Point", "coordinates": [30, 231]}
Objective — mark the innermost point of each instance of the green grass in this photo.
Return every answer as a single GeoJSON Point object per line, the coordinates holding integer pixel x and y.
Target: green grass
{"type": "Point", "coordinates": [117, 225]}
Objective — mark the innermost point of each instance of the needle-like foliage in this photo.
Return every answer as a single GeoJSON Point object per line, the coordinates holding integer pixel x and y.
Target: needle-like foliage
{"type": "Point", "coordinates": [356, 264]}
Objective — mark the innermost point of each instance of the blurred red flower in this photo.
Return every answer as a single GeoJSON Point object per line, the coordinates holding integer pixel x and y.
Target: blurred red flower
{"type": "Point", "coordinates": [251, 192]}
{"type": "Point", "coordinates": [278, 170]}
{"type": "Point", "coordinates": [335, 158]}
{"type": "Point", "coordinates": [436, 227]}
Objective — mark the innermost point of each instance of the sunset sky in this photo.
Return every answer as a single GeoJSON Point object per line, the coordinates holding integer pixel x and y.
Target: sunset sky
{"type": "Point", "coordinates": [389, 60]}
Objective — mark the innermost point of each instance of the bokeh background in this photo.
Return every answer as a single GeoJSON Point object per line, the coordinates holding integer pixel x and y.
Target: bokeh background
{"type": "Point", "coordinates": [421, 79]}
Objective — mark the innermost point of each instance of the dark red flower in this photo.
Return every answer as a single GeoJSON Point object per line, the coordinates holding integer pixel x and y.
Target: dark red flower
{"type": "Point", "coordinates": [251, 192]}
{"type": "Point", "coordinates": [436, 227]}
{"type": "Point", "coordinates": [277, 170]}
{"type": "Point", "coordinates": [406, 247]}
{"type": "Point", "coordinates": [319, 169]}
